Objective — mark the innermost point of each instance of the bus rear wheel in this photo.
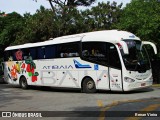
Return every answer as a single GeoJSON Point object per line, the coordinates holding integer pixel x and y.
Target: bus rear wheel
{"type": "Point", "coordinates": [23, 83]}
{"type": "Point", "coordinates": [88, 86]}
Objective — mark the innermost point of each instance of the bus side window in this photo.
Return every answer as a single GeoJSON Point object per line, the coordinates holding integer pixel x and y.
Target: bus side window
{"type": "Point", "coordinates": [14, 56]}
{"type": "Point", "coordinates": [33, 53]}
{"type": "Point", "coordinates": [20, 54]}
{"type": "Point", "coordinates": [50, 51]}
{"type": "Point", "coordinates": [95, 51]}
{"type": "Point", "coordinates": [68, 50]}
{"type": "Point", "coordinates": [40, 52]}
{"type": "Point", "coordinates": [25, 53]}
{"type": "Point", "coordinates": [114, 60]}
{"type": "Point", "coordinates": [7, 56]}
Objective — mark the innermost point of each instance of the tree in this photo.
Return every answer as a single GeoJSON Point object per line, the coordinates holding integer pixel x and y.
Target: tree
{"type": "Point", "coordinates": [142, 17]}
{"type": "Point", "coordinates": [69, 3]}
{"type": "Point", "coordinates": [65, 9]}
{"type": "Point", "coordinates": [102, 16]}
{"type": "Point", "coordinates": [11, 26]}
{"type": "Point", "coordinates": [37, 27]}
{"type": "Point", "coordinates": [73, 3]}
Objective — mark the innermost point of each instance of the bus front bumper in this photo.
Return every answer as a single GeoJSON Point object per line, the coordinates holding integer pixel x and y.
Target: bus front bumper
{"type": "Point", "coordinates": [138, 85]}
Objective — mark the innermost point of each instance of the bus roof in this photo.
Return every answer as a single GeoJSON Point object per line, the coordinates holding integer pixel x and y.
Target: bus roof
{"type": "Point", "coordinates": [112, 36]}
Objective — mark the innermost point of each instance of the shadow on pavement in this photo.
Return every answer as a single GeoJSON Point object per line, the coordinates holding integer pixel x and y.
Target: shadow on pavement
{"type": "Point", "coordinates": [74, 90]}
{"type": "Point", "coordinates": [7, 96]}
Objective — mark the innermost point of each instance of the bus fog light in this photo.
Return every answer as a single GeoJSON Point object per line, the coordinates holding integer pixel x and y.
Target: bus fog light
{"type": "Point", "coordinates": [127, 79]}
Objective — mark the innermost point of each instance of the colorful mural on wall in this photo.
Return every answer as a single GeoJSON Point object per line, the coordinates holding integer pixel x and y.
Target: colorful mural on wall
{"type": "Point", "coordinates": [21, 67]}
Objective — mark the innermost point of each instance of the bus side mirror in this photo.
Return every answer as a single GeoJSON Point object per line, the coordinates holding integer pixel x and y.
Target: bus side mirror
{"type": "Point", "coordinates": [152, 44]}
{"type": "Point", "coordinates": [124, 47]}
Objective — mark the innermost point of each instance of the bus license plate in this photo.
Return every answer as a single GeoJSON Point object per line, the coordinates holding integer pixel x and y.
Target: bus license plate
{"type": "Point", "coordinates": [143, 84]}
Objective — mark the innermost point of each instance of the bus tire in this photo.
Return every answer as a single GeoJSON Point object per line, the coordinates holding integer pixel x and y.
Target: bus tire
{"type": "Point", "coordinates": [23, 83]}
{"type": "Point", "coordinates": [88, 86]}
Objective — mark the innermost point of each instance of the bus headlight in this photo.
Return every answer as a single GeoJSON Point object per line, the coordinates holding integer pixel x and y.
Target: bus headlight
{"type": "Point", "coordinates": [127, 79]}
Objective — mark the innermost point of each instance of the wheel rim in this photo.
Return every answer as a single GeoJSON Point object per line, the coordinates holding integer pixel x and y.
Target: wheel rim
{"type": "Point", "coordinates": [23, 83]}
{"type": "Point", "coordinates": [90, 85]}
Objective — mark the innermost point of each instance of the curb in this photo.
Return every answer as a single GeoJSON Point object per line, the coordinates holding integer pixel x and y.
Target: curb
{"type": "Point", "coordinates": [156, 85]}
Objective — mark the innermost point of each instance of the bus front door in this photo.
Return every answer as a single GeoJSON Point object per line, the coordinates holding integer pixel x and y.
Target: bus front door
{"type": "Point", "coordinates": [115, 68]}
{"type": "Point", "coordinates": [115, 76]}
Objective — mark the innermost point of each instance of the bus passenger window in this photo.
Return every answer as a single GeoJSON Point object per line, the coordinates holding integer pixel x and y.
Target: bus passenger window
{"type": "Point", "coordinates": [68, 50]}
{"type": "Point", "coordinates": [7, 56]}
{"type": "Point", "coordinates": [95, 51]}
{"type": "Point", "coordinates": [33, 53]}
{"type": "Point", "coordinates": [41, 53]}
{"type": "Point", "coordinates": [50, 52]}
{"type": "Point", "coordinates": [17, 55]}
{"type": "Point", "coordinates": [25, 53]}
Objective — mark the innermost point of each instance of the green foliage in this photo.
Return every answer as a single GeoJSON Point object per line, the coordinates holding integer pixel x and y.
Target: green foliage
{"type": "Point", "coordinates": [142, 17]}
{"type": "Point", "coordinates": [11, 26]}
{"type": "Point", "coordinates": [102, 16]}
{"type": "Point", "coordinates": [45, 24]}
{"type": "Point", "coordinates": [37, 27]}
{"type": "Point", "coordinates": [65, 19]}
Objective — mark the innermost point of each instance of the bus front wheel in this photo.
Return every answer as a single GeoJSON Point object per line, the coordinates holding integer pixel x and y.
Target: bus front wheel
{"type": "Point", "coordinates": [23, 83]}
{"type": "Point", "coordinates": [88, 86]}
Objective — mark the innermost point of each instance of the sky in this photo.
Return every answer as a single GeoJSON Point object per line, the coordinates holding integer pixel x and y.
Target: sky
{"type": "Point", "coordinates": [30, 6]}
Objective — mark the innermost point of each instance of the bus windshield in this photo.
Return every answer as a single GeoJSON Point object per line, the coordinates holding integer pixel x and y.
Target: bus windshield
{"type": "Point", "coordinates": [137, 59]}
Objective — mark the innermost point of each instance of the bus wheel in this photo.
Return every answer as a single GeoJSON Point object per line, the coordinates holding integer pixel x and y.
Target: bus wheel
{"type": "Point", "coordinates": [88, 86]}
{"type": "Point", "coordinates": [23, 83]}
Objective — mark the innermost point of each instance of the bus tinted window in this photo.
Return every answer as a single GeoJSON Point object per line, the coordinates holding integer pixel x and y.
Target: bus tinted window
{"type": "Point", "coordinates": [20, 54]}
{"type": "Point", "coordinates": [68, 50]}
{"type": "Point", "coordinates": [95, 51]}
{"type": "Point", "coordinates": [50, 52]}
{"type": "Point", "coordinates": [16, 55]}
{"type": "Point", "coordinates": [10, 55]}
{"type": "Point", "coordinates": [41, 53]}
{"type": "Point", "coordinates": [25, 53]}
{"type": "Point", "coordinates": [114, 60]}
{"type": "Point", "coordinates": [33, 53]}
{"type": "Point", "coordinates": [6, 56]}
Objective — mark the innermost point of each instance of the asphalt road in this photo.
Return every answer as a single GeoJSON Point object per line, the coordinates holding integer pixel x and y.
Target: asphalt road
{"type": "Point", "coordinates": [72, 104]}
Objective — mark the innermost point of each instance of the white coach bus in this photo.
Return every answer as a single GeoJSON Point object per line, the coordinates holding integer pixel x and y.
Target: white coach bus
{"type": "Point", "coordinates": [106, 60]}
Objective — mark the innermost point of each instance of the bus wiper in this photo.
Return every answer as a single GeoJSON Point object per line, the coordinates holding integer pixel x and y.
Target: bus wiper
{"type": "Point", "coordinates": [140, 67]}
